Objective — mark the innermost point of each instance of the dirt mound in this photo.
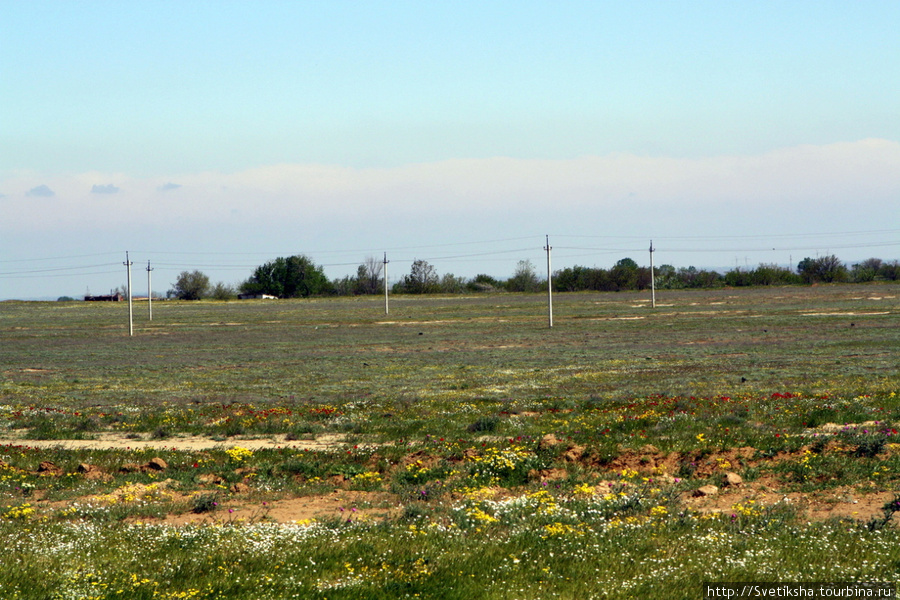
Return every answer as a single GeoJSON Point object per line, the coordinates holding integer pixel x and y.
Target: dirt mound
{"type": "Point", "coordinates": [339, 504]}
{"type": "Point", "coordinates": [699, 463]}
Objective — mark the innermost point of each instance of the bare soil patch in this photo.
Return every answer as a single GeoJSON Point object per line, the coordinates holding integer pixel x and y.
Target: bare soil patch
{"type": "Point", "coordinates": [839, 503]}
{"type": "Point", "coordinates": [339, 504]}
{"type": "Point", "coordinates": [116, 441]}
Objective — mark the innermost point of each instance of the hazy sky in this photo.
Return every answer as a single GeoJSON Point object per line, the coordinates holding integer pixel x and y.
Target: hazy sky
{"type": "Point", "coordinates": [220, 135]}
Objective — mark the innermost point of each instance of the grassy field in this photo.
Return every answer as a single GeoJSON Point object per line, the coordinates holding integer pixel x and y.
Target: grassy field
{"type": "Point", "coordinates": [455, 448]}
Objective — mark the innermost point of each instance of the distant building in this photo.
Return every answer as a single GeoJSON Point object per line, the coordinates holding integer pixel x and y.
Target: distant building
{"type": "Point", "coordinates": [256, 297]}
{"type": "Point", "coordinates": [108, 298]}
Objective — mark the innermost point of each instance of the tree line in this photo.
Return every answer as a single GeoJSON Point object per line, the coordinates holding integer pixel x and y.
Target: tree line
{"type": "Point", "coordinates": [299, 277]}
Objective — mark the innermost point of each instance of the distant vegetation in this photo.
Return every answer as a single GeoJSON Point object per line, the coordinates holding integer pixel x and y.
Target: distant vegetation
{"type": "Point", "coordinates": [299, 277]}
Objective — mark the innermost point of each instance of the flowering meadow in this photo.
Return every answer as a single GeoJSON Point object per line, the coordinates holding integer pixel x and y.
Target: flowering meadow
{"type": "Point", "coordinates": [456, 448]}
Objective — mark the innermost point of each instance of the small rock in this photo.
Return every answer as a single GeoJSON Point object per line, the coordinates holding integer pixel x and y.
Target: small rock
{"type": "Point", "coordinates": [47, 468]}
{"type": "Point", "coordinates": [157, 464]}
{"type": "Point", "coordinates": [548, 441]}
{"type": "Point", "coordinates": [210, 478]}
{"type": "Point", "coordinates": [706, 490]}
{"type": "Point", "coordinates": [547, 474]}
{"type": "Point", "coordinates": [733, 479]}
{"type": "Point", "coordinates": [93, 472]}
{"type": "Point", "coordinates": [574, 453]}
{"type": "Point", "coordinates": [604, 487]}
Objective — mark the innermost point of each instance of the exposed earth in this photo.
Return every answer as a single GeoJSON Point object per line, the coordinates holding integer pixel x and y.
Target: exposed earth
{"type": "Point", "coordinates": [860, 503]}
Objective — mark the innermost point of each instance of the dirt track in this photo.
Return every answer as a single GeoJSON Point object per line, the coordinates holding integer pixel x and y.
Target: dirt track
{"type": "Point", "coordinates": [115, 441]}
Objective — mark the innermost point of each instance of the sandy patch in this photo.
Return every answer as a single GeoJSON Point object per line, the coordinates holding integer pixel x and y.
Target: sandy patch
{"type": "Point", "coordinates": [845, 314]}
{"type": "Point", "coordinates": [117, 441]}
{"type": "Point", "coordinates": [340, 504]}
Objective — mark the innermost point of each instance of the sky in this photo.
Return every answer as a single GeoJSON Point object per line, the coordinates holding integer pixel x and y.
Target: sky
{"type": "Point", "coordinates": [217, 136]}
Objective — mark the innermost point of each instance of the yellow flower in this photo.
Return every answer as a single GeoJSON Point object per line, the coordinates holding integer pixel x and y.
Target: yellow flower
{"type": "Point", "coordinates": [583, 489]}
{"type": "Point", "coordinates": [239, 454]}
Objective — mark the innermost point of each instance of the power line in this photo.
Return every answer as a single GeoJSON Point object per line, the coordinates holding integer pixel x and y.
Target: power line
{"type": "Point", "coordinates": [55, 269]}
{"type": "Point", "coordinates": [57, 275]}
{"type": "Point", "coordinates": [731, 237]}
{"type": "Point", "coordinates": [482, 250]}
{"type": "Point", "coordinates": [57, 257]}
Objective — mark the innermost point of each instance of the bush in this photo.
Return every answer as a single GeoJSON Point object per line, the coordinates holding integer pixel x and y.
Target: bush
{"type": "Point", "coordinates": [826, 269]}
{"type": "Point", "coordinates": [204, 503]}
{"type": "Point", "coordinates": [291, 277]}
{"type": "Point", "coordinates": [190, 286]}
{"type": "Point", "coordinates": [222, 291]}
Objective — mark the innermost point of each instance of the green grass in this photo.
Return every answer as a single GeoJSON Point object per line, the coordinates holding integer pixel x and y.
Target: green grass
{"type": "Point", "coordinates": [443, 404]}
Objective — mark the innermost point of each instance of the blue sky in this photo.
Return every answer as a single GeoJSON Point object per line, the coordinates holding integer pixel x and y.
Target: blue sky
{"type": "Point", "coordinates": [219, 135]}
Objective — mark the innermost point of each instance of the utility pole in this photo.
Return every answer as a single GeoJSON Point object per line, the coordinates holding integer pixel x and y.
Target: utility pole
{"type": "Point", "coordinates": [386, 261]}
{"type": "Point", "coordinates": [548, 248]}
{"type": "Point", "coordinates": [128, 264]}
{"type": "Point", "coordinates": [652, 278]}
{"type": "Point", "coordinates": [149, 292]}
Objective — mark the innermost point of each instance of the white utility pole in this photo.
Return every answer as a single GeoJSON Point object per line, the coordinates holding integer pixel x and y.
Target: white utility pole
{"type": "Point", "coordinates": [128, 263]}
{"type": "Point", "coordinates": [149, 292]}
{"type": "Point", "coordinates": [652, 278]}
{"type": "Point", "coordinates": [386, 261]}
{"type": "Point", "coordinates": [549, 286]}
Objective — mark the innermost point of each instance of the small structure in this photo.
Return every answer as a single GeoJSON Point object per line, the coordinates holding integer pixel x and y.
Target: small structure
{"type": "Point", "coordinates": [117, 297]}
{"type": "Point", "coordinates": [256, 297]}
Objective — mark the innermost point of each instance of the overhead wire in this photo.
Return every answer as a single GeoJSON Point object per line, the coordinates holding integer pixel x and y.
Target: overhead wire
{"type": "Point", "coordinates": [829, 241]}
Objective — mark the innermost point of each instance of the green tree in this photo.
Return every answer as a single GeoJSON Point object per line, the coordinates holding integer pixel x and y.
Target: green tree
{"type": "Point", "coordinates": [524, 279]}
{"type": "Point", "coordinates": [890, 271]}
{"type": "Point", "coordinates": [625, 274]}
{"type": "Point", "coordinates": [368, 277]}
{"type": "Point", "coordinates": [691, 277]}
{"type": "Point", "coordinates": [451, 284]}
{"type": "Point", "coordinates": [667, 278]}
{"type": "Point", "coordinates": [826, 269]}
{"type": "Point", "coordinates": [345, 286]}
{"type": "Point", "coordinates": [223, 291]}
{"type": "Point", "coordinates": [291, 277]}
{"type": "Point", "coordinates": [422, 279]}
{"type": "Point", "coordinates": [571, 279]}
{"type": "Point", "coordinates": [192, 285]}
{"type": "Point", "coordinates": [483, 283]}
{"type": "Point", "coordinates": [867, 270]}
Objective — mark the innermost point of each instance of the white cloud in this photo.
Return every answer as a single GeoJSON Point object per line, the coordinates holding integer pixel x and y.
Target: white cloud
{"type": "Point", "coordinates": [41, 191]}
{"type": "Point", "coordinates": [866, 173]}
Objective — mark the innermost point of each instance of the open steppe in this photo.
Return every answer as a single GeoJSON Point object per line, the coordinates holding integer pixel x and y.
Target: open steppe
{"type": "Point", "coordinates": [457, 447]}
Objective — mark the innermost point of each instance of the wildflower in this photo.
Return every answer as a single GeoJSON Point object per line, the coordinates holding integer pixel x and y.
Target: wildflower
{"type": "Point", "coordinates": [239, 454]}
{"type": "Point", "coordinates": [583, 489]}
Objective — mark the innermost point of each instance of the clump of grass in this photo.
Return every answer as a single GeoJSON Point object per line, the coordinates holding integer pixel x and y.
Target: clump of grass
{"type": "Point", "coordinates": [887, 512]}
{"type": "Point", "coordinates": [161, 433]}
{"type": "Point", "coordinates": [205, 502]}
{"type": "Point", "coordinates": [486, 424]}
